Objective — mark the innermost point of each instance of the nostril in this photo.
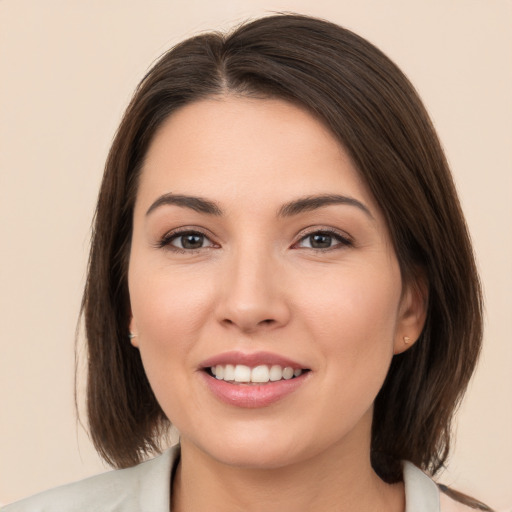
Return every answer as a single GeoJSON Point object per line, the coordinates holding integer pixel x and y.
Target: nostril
{"type": "Point", "coordinates": [249, 326]}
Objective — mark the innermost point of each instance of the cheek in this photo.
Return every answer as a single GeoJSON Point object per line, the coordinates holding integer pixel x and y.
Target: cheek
{"type": "Point", "coordinates": [356, 304]}
{"type": "Point", "coordinates": [353, 318]}
{"type": "Point", "coordinates": [169, 314]}
{"type": "Point", "coordinates": [167, 302]}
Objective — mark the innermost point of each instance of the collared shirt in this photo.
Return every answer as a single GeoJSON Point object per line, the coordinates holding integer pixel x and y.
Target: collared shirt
{"type": "Point", "coordinates": [146, 488]}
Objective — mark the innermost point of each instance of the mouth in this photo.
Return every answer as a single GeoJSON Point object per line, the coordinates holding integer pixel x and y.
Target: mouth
{"type": "Point", "coordinates": [253, 380]}
{"type": "Point", "coordinates": [261, 374]}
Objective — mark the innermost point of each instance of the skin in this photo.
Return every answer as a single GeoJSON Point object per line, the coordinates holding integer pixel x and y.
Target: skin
{"type": "Point", "coordinates": [257, 282]}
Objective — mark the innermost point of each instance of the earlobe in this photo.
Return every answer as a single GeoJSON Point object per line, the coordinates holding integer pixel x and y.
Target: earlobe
{"type": "Point", "coordinates": [132, 335]}
{"type": "Point", "coordinates": [412, 315]}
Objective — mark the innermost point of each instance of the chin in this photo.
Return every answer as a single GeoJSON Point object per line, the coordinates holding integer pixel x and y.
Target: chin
{"type": "Point", "coordinates": [257, 458]}
{"type": "Point", "coordinates": [263, 450]}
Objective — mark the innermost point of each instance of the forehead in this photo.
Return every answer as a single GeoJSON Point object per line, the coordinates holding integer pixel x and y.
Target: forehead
{"type": "Point", "coordinates": [245, 149]}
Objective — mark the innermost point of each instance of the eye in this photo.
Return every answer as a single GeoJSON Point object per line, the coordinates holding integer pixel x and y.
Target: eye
{"type": "Point", "coordinates": [323, 239]}
{"type": "Point", "coordinates": [186, 241]}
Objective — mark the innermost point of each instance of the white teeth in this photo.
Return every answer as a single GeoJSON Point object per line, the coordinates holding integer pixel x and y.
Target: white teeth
{"type": "Point", "coordinates": [287, 373]}
{"type": "Point", "coordinates": [242, 373]}
{"type": "Point", "coordinates": [229, 372]}
{"type": "Point", "coordinates": [276, 373]}
{"type": "Point", "coordinates": [259, 374]}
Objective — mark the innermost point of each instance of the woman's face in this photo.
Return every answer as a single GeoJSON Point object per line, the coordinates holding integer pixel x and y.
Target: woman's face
{"type": "Point", "coordinates": [258, 253]}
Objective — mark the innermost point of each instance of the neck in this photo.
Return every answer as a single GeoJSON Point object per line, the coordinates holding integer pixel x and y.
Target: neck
{"type": "Point", "coordinates": [339, 479]}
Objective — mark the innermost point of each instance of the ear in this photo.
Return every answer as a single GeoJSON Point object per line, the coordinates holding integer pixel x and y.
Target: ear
{"type": "Point", "coordinates": [412, 313]}
{"type": "Point", "coordinates": [132, 327]}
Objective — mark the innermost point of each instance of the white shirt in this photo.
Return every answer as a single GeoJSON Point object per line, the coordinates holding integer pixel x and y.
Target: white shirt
{"type": "Point", "coordinates": [146, 488]}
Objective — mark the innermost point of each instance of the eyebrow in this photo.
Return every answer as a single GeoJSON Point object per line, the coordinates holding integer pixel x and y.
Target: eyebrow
{"type": "Point", "coordinates": [303, 204]}
{"type": "Point", "coordinates": [194, 203]}
{"type": "Point", "coordinates": [309, 203]}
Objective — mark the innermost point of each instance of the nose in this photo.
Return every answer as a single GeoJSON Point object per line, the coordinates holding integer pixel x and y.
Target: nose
{"type": "Point", "coordinates": [253, 296]}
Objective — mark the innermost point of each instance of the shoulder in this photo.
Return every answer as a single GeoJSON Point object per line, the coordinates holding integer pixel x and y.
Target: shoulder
{"type": "Point", "coordinates": [145, 487]}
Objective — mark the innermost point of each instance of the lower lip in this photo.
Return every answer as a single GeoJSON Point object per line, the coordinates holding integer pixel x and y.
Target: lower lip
{"type": "Point", "coordinates": [252, 396]}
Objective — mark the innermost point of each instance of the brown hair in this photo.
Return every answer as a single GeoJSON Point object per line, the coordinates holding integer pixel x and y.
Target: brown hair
{"type": "Point", "coordinates": [374, 111]}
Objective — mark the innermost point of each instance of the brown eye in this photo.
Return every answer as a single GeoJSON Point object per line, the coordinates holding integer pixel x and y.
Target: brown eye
{"type": "Point", "coordinates": [190, 241]}
{"type": "Point", "coordinates": [323, 240]}
{"type": "Point", "coordinates": [320, 241]}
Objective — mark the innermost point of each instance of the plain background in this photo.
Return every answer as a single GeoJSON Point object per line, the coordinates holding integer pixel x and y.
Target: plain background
{"type": "Point", "coordinates": [67, 70]}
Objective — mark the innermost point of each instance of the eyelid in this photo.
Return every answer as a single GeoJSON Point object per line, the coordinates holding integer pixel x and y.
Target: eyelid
{"type": "Point", "coordinates": [165, 241]}
{"type": "Point", "coordinates": [344, 239]}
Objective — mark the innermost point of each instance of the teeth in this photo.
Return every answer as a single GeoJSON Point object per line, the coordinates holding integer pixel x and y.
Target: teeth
{"type": "Point", "coordinates": [242, 373]}
{"type": "Point", "coordinates": [229, 372]}
{"type": "Point", "coordinates": [276, 373]}
{"type": "Point", "coordinates": [259, 374]}
{"type": "Point", "coordinates": [287, 373]}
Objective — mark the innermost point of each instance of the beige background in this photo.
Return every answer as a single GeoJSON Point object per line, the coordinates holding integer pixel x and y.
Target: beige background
{"type": "Point", "coordinates": [67, 70]}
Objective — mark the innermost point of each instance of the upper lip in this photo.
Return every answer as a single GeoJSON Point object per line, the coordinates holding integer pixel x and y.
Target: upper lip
{"type": "Point", "coordinates": [251, 359]}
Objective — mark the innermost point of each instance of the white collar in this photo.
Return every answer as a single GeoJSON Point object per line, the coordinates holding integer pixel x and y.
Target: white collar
{"type": "Point", "coordinates": [145, 488]}
{"type": "Point", "coordinates": [421, 493]}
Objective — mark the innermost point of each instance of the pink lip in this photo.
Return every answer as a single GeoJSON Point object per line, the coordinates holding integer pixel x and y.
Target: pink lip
{"type": "Point", "coordinates": [251, 396]}
{"type": "Point", "coordinates": [252, 360]}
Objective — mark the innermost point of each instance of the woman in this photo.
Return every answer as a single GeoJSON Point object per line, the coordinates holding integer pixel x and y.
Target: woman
{"type": "Point", "coordinates": [280, 268]}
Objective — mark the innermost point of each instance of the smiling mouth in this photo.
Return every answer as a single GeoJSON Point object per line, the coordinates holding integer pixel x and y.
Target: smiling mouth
{"type": "Point", "coordinates": [261, 374]}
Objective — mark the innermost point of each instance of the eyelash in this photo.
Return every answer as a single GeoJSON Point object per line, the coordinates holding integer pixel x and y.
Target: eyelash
{"type": "Point", "coordinates": [343, 240]}
{"type": "Point", "coordinates": [168, 238]}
